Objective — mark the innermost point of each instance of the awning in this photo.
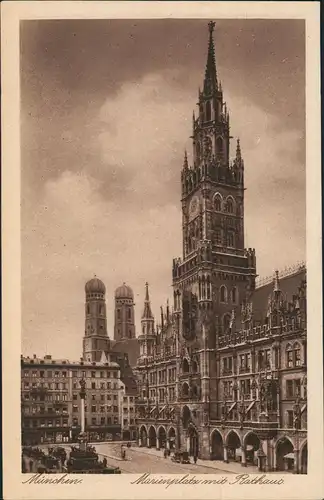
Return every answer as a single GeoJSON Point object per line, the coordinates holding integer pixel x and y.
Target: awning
{"type": "Point", "coordinates": [232, 407]}
{"type": "Point", "coordinates": [163, 408]}
{"type": "Point", "coordinates": [154, 408]}
{"type": "Point", "coordinates": [303, 408]}
{"type": "Point", "coordinates": [250, 406]}
{"type": "Point", "coordinates": [290, 456]}
{"type": "Point", "coordinates": [172, 410]}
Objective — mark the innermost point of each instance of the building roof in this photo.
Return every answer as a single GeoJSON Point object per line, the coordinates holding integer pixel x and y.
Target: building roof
{"type": "Point", "coordinates": [288, 282]}
{"type": "Point", "coordinates": [124, 292]}
{"type": "Point", "coordinates": [49, 361]}
{"type": "Point", "coordinates": [126, 373]}
{"type": "Point", "coordinates": [128, 346]}
{"type": "Point", "coordinates": [95, 285]}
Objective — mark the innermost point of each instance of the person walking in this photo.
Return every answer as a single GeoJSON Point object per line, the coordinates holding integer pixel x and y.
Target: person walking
{"type": "Point", "coordinates": [195, 458]}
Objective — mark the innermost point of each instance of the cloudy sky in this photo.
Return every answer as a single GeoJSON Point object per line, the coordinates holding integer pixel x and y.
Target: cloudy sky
{"type": "Point", "coordinates": [106, 113]}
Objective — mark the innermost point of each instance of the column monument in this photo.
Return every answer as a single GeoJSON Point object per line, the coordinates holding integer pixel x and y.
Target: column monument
{"type": "Point", "coordinates": [82, 436]}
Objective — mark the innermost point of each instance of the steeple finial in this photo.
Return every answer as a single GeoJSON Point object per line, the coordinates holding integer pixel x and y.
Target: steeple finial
{"type": "Point", "coordinates": [211, 26]}
{"type": "Point", "coordinates": [210, 83]}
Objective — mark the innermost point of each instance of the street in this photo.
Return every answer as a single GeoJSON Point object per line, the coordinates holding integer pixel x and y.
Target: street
{"type": "Point", "coordinates": [138, 461]}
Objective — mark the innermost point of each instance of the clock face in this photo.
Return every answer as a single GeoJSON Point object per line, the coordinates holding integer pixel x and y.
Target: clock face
{"type": "Point", "coordinates": [194, 207]}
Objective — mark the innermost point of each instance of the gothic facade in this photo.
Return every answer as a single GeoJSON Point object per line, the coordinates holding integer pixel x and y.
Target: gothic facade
{"type": "Point", "coordinates": [223, 375]}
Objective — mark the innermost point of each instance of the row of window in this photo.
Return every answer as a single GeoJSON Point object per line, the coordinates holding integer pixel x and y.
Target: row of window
{"type": "Point", "coordinates": [293, 388]}
{"type": "Point", "coordinates": [161, 376]}
{"type": "Point", "coordinates": [227, 239]}
{"type": "Point", "coordinates": [264, 360]}
{"type": "Point", "coordinates": [221, 205]}
{"type": "Point", "coordinates": [35, 409]}
{"type": "Point", "coordinates": [45, 423]}
{"type": "Point", "coordinates": [226, 296]}
{"type": "Point", "coordinates": [94, 397]}
{"type": "Point", "coordinates": [64, 423]}
{"type": "Point", "coordinates": [96, 309]}
{"type": "Point", "coordinates": [129, 314]}
{"type": "Point", "coordinates": [75, 374]}
{"type": "Point", "coordinates": [47, 397]}
{"type": "Point", "coordinates": [62, 386]}
{"type": "Point", "coordinates": [170, 391]}
{"type": "Point", "coordinates": [97, 409]}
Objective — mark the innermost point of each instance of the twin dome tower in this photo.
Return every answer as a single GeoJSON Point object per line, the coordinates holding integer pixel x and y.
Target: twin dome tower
{"type": "Point", "coordinates": [96, 340]}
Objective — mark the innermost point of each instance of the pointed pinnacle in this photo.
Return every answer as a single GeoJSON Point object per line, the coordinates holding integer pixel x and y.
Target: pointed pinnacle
{"type": "Point", "coordinates": [276, 282]}
{"type": "Point", "coordinates": [146, 292]}
{"type": "Point", "coordinates": [238, 149]}
{"type": "Point", "coordinates": [185, 161]}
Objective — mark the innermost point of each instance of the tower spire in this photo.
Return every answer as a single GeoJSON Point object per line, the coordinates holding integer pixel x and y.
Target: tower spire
{"type": "Point", "coordinates": [147, 313]}
{"type": "Point", "coordinates": [210, 82]}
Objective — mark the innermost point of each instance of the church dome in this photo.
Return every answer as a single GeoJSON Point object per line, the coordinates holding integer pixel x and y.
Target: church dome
{"type": "Point", "coordinates": [124, 292]}
{"type": "Point", "coordinates": [95, 285]}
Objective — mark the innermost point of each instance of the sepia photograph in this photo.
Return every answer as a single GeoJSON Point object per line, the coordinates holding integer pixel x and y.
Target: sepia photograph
{"type": "Point", "coordinates": [182, 165]}
{"type": "Point", "coordinates": [168, 266]}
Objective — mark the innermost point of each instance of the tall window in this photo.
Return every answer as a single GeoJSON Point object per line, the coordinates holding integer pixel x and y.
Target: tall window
{"type": "Point", "coordinates": [290, 419]}
{"type": "Point", "coordinates": [218, 203]}
{"type": "Point", "coordinates": [230, 205]}
{"type": "Point", "coordinates": [296, 357]}
{"type": "Point", "coordinates": [208, 111]}
{"type": "Point", "coordinates": [293, 357]}
{"type": "Point", "coordinates": [218, 238]}
{"type": "Point", "coordinates": [230, 239]}
{"type": "Point", "coordinates": [226, 321]}
{"type": "Point", "coordinates": [234, 295]}
{"type": "Point", "coordinates": [223, 293]}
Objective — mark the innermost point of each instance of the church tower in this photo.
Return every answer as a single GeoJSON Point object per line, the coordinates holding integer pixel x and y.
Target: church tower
{"type": "Point", "coordinates": [216, 272]}
{"type": "Point", "coordinates": [95, 339]}
{"type": "Point", "coordinates": [147, 337]}
{"type": "Point", "coordinates": [124, 313]}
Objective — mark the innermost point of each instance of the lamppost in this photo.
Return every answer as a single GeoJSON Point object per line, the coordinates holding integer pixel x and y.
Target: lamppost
{"type": "Point", "coordinates": [82, 436]}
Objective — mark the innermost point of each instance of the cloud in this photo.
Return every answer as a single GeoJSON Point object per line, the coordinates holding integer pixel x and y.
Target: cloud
{"type": "Point", "coordinates": [125, 224]}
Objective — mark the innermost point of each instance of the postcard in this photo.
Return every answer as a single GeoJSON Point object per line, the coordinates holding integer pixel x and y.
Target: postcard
{"type": "Point", "coordinates": [162, 279]}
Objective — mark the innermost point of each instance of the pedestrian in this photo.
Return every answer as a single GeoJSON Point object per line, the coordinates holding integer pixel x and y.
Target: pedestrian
{"type": "Point", "coordinates": [104, 462]}
{"type": "Point", "coordinates": [195, 458]}
{"type": "Point", "coordinates": [31, 463]}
